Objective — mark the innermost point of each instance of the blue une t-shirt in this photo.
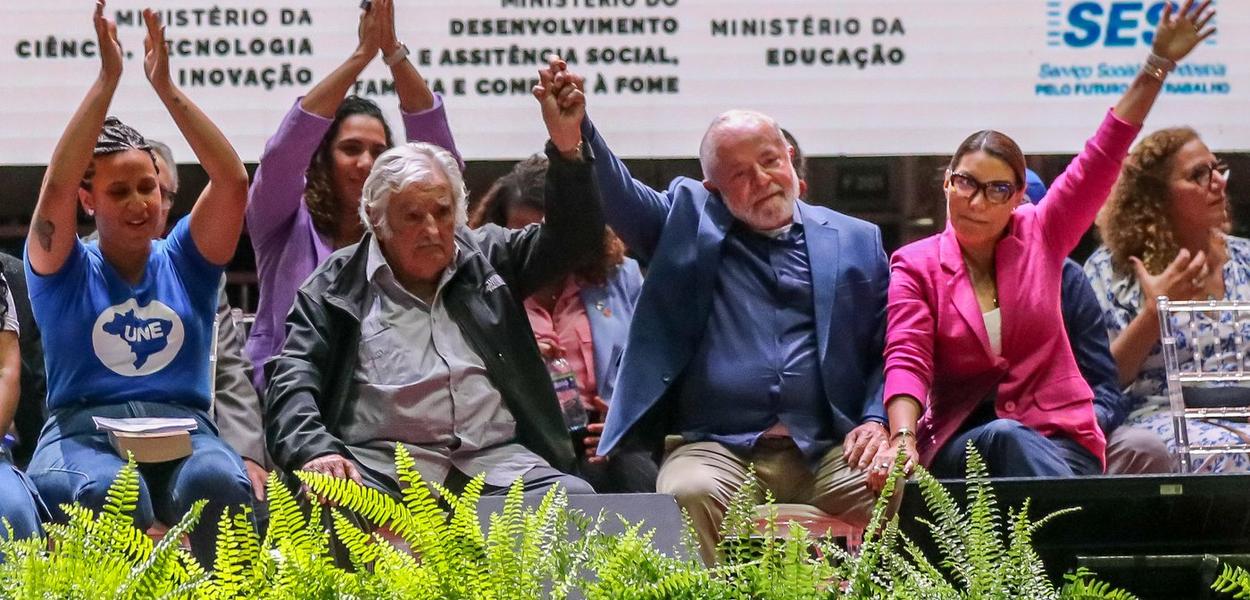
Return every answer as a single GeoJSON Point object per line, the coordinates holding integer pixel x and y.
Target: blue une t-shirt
{"type": "Point", "coordinates": [107, 342]}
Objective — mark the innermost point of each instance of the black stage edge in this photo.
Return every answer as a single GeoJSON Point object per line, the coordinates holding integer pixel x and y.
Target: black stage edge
{"type": "Point", "coordinates": [1158, 536]}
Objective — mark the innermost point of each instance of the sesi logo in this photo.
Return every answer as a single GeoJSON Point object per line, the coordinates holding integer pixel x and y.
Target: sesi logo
{"type": "Point", "coordinates": [1085, 23]}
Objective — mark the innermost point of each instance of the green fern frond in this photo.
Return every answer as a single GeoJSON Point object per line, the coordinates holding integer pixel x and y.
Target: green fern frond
{"type": "Point", "coordinates": [165, 568]}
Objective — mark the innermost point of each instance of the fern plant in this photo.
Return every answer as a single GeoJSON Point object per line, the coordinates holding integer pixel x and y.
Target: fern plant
{"type": "Point", "coordinates": [103, 555]}
{"type": "Point", "coordinates": [1233, 580]}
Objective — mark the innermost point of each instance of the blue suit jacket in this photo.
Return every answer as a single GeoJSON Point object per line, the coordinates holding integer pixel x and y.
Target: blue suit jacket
{"type": "Point", "coordinates": [679, 232]}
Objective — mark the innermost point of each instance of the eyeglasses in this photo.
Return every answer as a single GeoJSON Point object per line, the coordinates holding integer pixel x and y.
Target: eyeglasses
{"type": "Point", "coordinates": [1202, 174]}
{"type": "Point", "coordinates": [997, 192]}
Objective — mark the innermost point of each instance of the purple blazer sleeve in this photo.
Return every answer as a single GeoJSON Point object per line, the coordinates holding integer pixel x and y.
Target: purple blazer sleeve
{"type": "Point", "coordinates": [430, 126]}
{"type": "Point", "coordinates": [277, 191]}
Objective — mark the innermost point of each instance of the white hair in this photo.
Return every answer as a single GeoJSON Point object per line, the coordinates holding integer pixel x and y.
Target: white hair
{"type": "Point", "coordinates": [711, 139]}
{"type": "Point", "coordinates": [401, 167]}
{"type": "Point", "coordinates": [162, 150]}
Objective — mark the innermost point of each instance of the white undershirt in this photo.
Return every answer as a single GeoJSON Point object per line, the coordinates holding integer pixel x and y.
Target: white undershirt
{"type": "Point", "coordinates": [994, 328]}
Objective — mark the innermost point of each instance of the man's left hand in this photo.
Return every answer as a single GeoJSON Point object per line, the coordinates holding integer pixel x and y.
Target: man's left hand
{"type": "Point", "coordinates": [862, 443]}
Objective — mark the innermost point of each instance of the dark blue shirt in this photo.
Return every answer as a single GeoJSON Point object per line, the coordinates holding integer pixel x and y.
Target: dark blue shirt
{"type": "Point", "coordinates": [1083, 319]}
{"type": "Point", "coordinates": [758, 361]}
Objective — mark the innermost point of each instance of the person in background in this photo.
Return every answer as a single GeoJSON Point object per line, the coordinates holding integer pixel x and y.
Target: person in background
{"type": "Point", "coordinates": [305, 196]}
{"type": "Point", "coordinates": [583, 318]}
{"type": "Point", "coordinates": [976, 344]}
{"type": "Point", "coordinates": [1163, 235]}
{"type": "Point", "coordinates": [416, 335]}
{"type": "Point", "coordinates": [127, 322]}
{"type": "Point", "coordinates": [19, 505]}
{"type": "Point", "coordinates": [1130, 450]}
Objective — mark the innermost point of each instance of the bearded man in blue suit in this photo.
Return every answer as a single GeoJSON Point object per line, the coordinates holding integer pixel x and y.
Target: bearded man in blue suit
{"type": "Point", "coordinates": [758, 334]}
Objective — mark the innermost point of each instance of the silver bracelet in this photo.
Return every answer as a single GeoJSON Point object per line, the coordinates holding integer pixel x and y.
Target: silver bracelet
{"type": "Point", "coordinates": [1154, 71]}
{"type": "Point", "coordinates": [1166, 64]}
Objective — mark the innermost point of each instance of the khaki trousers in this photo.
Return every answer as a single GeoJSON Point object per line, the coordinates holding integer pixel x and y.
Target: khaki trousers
{"type": "Point", "coordinates": [705, 475]}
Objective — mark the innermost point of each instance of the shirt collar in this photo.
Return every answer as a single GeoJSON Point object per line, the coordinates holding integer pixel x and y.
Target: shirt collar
{"type": "Point", "coordinates": [379, 272]}
{"type": "Point", "coordinates": [781, 233]}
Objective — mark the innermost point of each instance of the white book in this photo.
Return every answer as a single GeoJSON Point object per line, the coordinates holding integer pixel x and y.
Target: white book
{"type": "Point", "coordinates": [145, 425]}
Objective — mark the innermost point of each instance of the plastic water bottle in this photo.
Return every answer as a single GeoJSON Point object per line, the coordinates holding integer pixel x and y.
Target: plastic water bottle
{"type": "Point", "coordinates": [565, 383]}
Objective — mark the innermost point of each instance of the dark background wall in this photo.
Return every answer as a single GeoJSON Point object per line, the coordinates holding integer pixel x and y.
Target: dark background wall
{"type": "Point", "coordinates": [901, 194]}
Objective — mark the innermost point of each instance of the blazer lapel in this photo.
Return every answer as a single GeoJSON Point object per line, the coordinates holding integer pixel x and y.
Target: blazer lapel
{"type": "Point", "coordinates": [959, 287]}
{"type": "Point", "coordinates": [714, 223]}
{"type": "Point", "coordinates": [823, 260]}
{"type": "Point", "coordinates": [1008, 259]}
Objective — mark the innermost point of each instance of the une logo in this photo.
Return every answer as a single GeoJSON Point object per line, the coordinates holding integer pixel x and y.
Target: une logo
{"type": "Point", "coordinates": [1107, 24]}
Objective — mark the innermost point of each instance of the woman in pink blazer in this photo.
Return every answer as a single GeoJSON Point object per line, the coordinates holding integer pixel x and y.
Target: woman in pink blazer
{"type": "Point", "coordinates": [975, 344]}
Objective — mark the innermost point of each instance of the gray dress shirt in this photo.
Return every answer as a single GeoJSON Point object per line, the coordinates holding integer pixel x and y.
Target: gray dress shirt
{"type": "Point", "coordinates": [420, 383]}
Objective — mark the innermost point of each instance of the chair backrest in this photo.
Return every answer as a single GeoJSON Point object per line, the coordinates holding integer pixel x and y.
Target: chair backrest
{"type": "Point", "coordinates": [1205, 351]}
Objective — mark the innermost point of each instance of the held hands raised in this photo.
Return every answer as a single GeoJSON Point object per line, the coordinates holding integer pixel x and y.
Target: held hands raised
{"type": "Point", "coordinates": [110, 48]}
{"type": "Point", "coordinates": [1180, 31]}
{"type": "Point", "coordinates": [559, 93]}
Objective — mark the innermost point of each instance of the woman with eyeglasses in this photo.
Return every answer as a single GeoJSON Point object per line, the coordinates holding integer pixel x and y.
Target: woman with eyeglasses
{"type": "Point", "coordinates": [1163, 235]}
{"type": "Point", "coordinates": [975, 346]}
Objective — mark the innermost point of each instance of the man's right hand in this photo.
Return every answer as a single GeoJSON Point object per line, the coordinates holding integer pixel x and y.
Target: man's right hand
{"type": "Point", "coordinates": [334, 465]}
{"type": "Point", "coordinates": [559, 93]}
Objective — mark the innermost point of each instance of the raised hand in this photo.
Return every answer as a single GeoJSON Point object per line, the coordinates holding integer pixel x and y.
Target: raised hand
{"type": "Point", "coordinates": [1181, 31]}
{"type": "Point", "coordinates": [1183, 279]}
{"type": "Point", "coordinates": [155, 52]}
{"type": "Point", "coordinates": [110, 48]}
{"type": "Point", "coordinates": [369, 32]}
{"type": "Point", "coordinates": [559, 93]}
{"type": "Point", "coordinates": [388, 41]}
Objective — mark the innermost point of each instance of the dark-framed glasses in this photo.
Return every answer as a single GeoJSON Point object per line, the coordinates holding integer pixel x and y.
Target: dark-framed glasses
{"type": "Point", "coordinates": [1203, 174]}
{"type": "Point", "coordinates": [967, 186]}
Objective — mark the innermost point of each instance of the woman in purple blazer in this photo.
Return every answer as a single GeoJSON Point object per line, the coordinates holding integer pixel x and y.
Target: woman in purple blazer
{"type": "Point", "coordinates": [975, 344]}
{"type": "Point", "coordinates": [304, 202]}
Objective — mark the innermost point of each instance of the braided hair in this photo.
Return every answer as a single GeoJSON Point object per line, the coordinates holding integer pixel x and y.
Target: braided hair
{"type": "Point", "coordinates": [1135, 220]}
{"type": "Point", "coordinates": [114, 137]}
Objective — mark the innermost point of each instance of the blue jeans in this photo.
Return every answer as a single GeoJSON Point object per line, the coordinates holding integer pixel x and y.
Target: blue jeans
{"type": "Point", "coordinates": [18, 502]}
{"type": "Point", "coordinates": [74, 462]}
{"type": "Point", "coordinates": [1012, 449]}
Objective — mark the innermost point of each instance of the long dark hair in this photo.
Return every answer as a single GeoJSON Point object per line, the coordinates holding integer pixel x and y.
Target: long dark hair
{"type": "Point", "coordinates": [525, 186]}
{"type": "Point", "coordinates": [319, 191]}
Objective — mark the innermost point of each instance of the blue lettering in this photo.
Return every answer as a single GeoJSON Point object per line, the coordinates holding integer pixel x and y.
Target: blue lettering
{"type": "Point", "coordinates": [1081, 17]}
{"type": "Point", "coordinates": [1152, 19]}
{"type": "Point", "coordinates": [1119, 21]}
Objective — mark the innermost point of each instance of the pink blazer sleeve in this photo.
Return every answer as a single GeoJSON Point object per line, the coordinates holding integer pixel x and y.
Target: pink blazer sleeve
{"type": "Point", "coordinates": [909, 331]}
{"type": "Point", "coordinates": [1076, 195]}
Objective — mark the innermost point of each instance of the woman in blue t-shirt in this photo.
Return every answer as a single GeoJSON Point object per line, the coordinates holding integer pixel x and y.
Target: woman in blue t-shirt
{"type": "Point", "coordinates": [127, 323]}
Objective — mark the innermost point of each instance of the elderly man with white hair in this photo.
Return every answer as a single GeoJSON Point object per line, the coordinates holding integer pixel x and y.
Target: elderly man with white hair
{"type": "Point", "coordinates": [759, 332]}
{"type": "Point", "coordinates": [417, 336]}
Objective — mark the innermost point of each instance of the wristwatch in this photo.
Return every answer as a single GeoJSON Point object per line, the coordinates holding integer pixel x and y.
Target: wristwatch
{"type": "Point", "coordinates": [398, 55]}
